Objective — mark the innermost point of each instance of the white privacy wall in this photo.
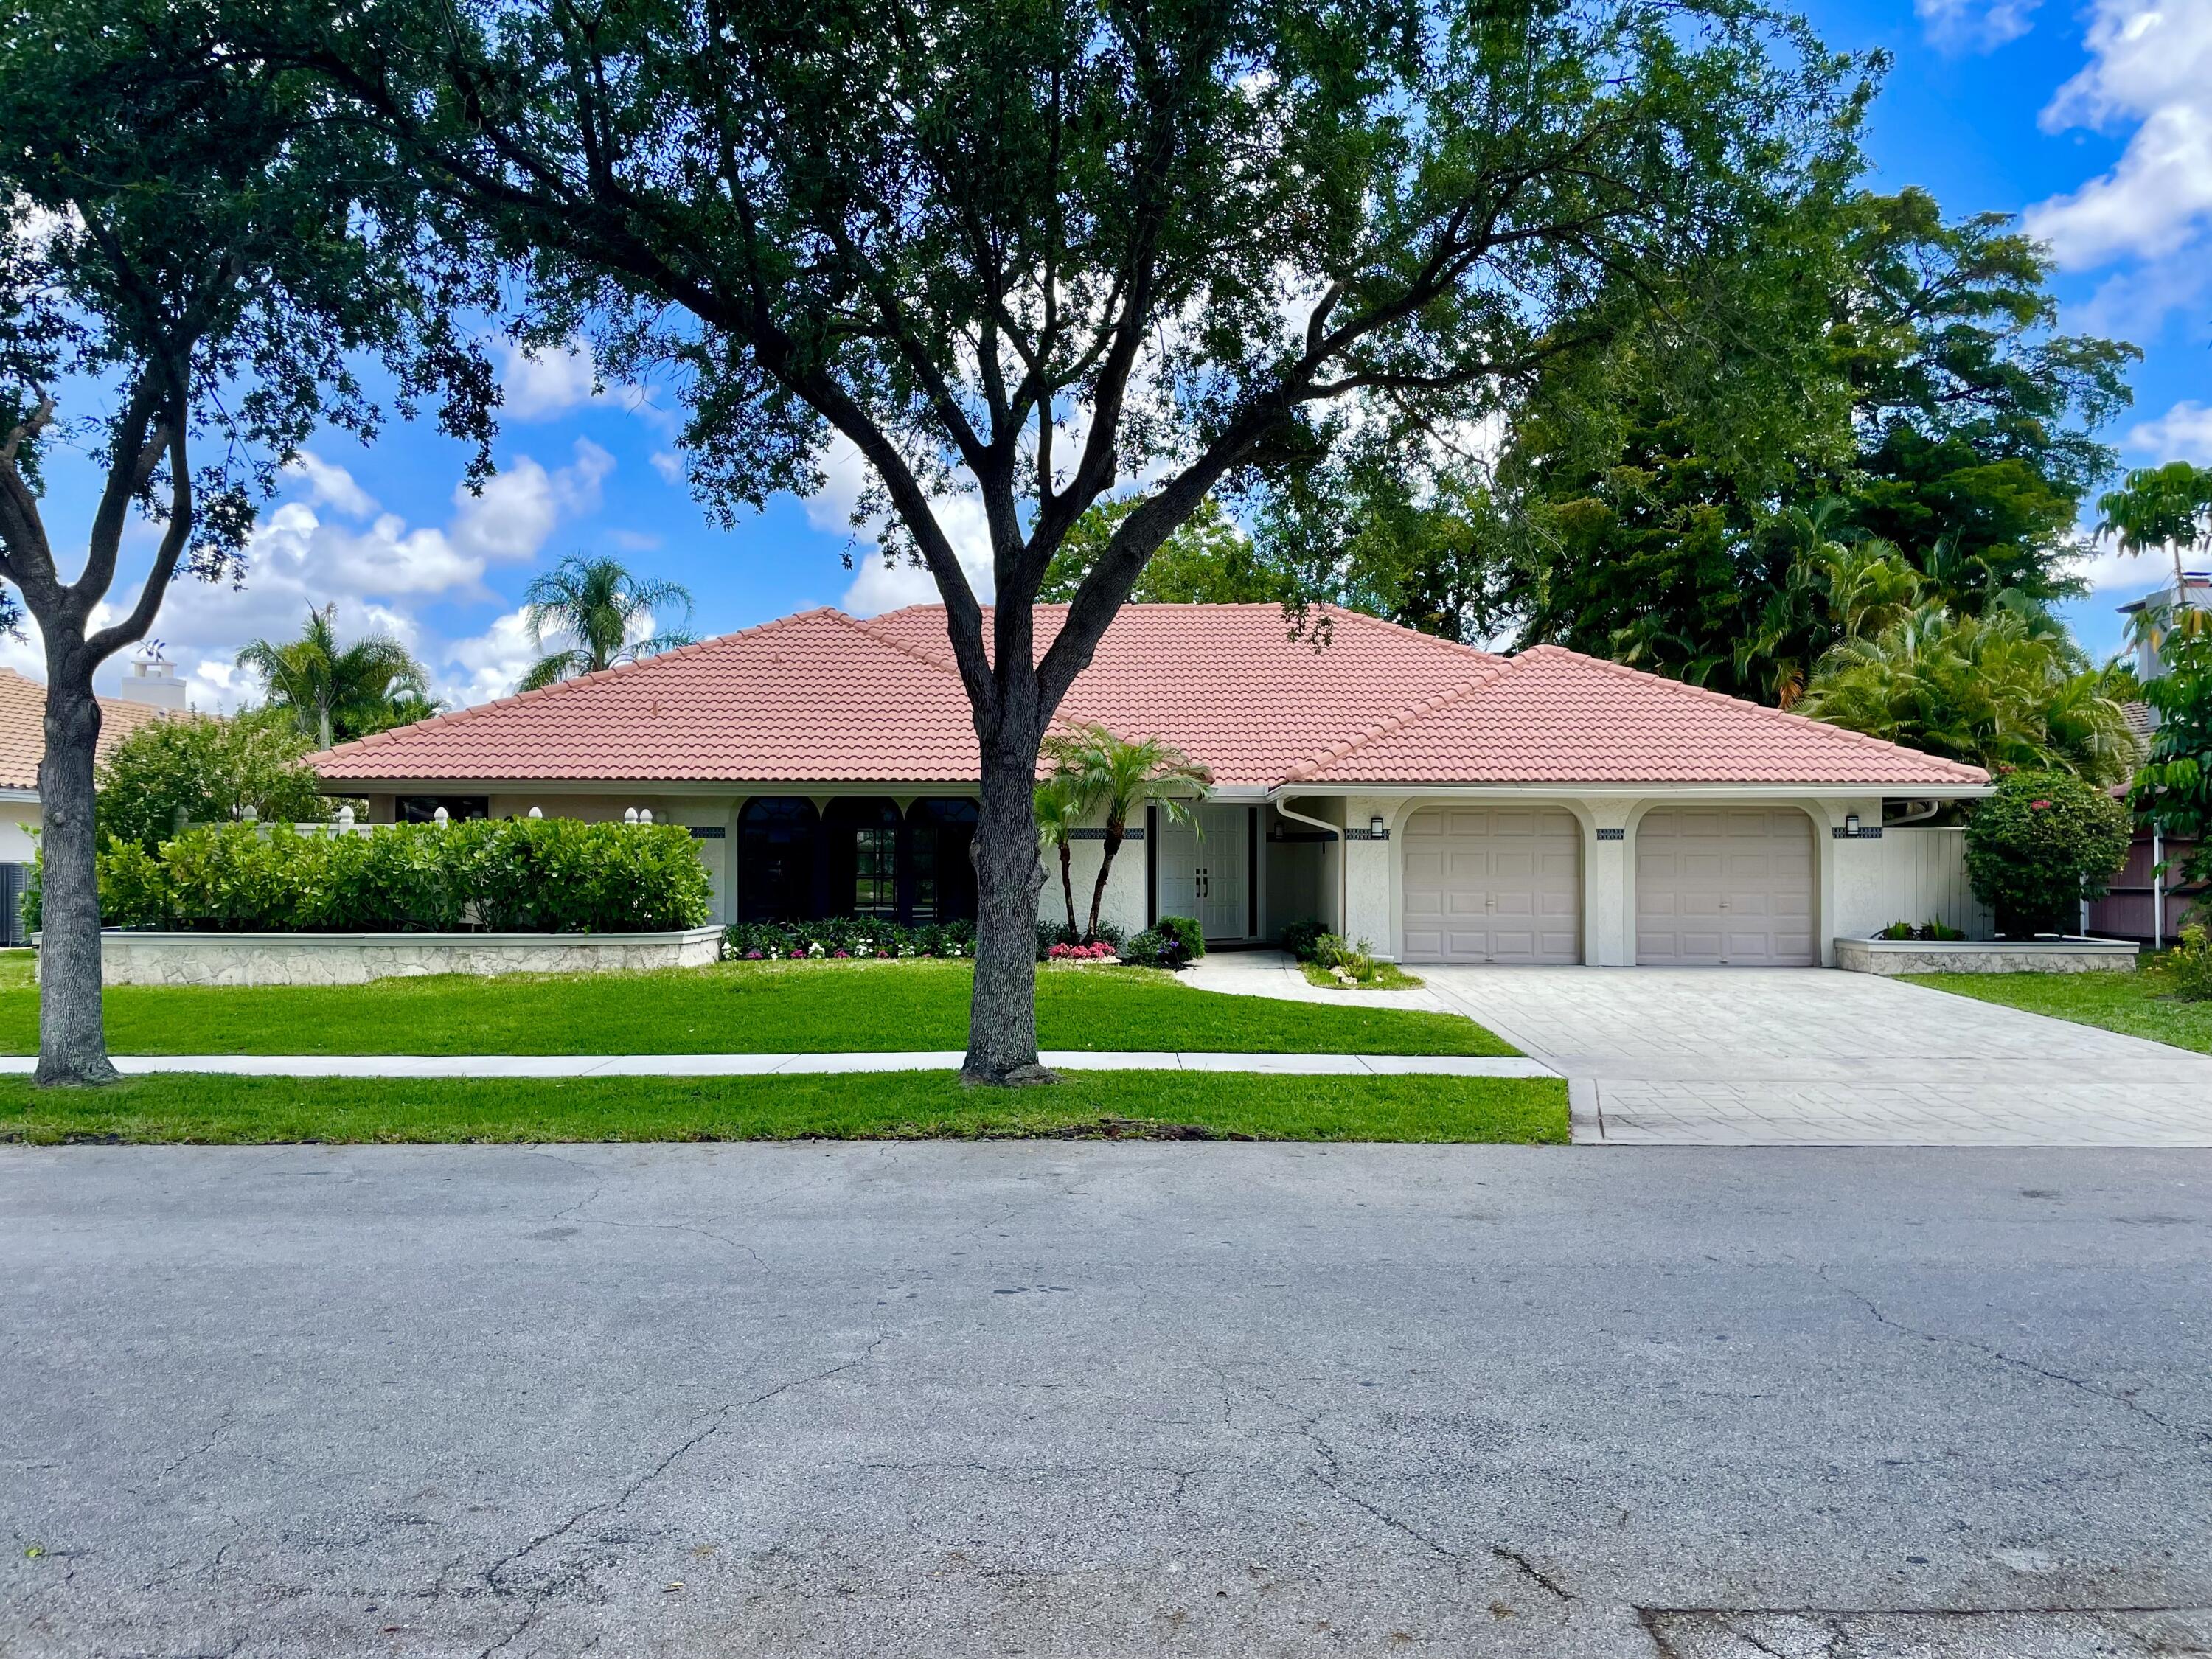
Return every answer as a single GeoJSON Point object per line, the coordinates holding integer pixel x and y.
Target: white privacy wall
{"type": "Point", "coordinates": [1923, 878]}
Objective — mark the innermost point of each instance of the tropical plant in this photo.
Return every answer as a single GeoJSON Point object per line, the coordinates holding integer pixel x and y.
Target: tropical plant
{"type": "Point", "coordinates": [1124, 777]}
{"type": "Point", "coordinates": [1060, 809]}
{"type": "Point", "coordinates": [199, 770]}
{"type": "Point", "coordinates": [2174, 788]}
{"type": "Point", "coordinates": [2007, 688]}
{"type": "Point", "coordinates": [1014, 257]}
{"type": "Point", "coordinates": [1207, 560]}
{"type": "Point", "coordinates": [2041, 845]}
{"type": "Point", "coordinates": [186, 254]}
{"type": "Point", "coordinates": [2165, 507]}
{"type": "Point", "coordinates": [336, 693]}
{"type": "Point", "coordinates": [596, 604]}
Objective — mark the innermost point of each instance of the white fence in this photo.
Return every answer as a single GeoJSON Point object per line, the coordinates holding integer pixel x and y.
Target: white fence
{"type": "Point", "coordinates": [1923, 878]}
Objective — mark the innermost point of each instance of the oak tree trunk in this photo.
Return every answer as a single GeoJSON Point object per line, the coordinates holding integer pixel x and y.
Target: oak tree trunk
{"type": "Point", "coordinates": [1009, 876]}
{"type": "Point", "coordinates": [72, 1034]}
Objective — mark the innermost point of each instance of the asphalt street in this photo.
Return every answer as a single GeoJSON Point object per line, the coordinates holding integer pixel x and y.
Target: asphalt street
{"type": "Point", "coordinates": [1076, 1399]}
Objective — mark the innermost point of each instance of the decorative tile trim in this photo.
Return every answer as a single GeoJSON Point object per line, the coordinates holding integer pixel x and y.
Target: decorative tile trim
{"type": "Point", "coordinates": [708, 832]}
{"type": "Point", "coordinates": [1365, 834]}
{"type": "Point", "coordinates": [1131, 834]}
{"type": "Point", "coordinates": [1866, 832]}
{"type": "Point", "coordinates": [1612, 834]}
{"type": "Point", "coordinates": [1293, 836]}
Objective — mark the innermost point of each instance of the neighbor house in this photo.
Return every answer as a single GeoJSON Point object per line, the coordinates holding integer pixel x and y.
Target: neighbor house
{"type": "Point", "coordinates": [1441, 802]}
{"type": "Point", "coordinates": [22, 746]}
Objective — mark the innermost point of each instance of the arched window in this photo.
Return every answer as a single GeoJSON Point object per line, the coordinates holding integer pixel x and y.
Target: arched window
{"type": "Point", "coordinates": [776, 838]}
{"type": "Point", "coordinates": [944, 875]}
{"type": "Point", "coordinates": [860, 842]}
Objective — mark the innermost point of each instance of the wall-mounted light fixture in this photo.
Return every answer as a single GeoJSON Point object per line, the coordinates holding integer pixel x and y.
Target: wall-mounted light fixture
{"type": "Point", "coordinates": [1852, 825]}
{"type": "Point", "coordinates": [1375, 827]}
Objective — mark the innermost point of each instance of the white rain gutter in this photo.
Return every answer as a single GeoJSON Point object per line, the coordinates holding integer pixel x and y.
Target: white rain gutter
{"type": "Point", "coordinates": [1336, 834]}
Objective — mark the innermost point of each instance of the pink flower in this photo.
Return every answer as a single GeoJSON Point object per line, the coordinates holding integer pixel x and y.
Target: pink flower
{"type": "Point", "coordinates": [752, 956]}
{"type": "Point", "coordinates": [798, 955]}
{"type": "Point", "coordinates": [2037, 805]}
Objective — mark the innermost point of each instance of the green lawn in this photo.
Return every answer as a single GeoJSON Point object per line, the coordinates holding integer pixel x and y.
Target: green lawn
{"type": "Point", "coordinates": [739, 1007]}
{"type": "Point", "coordinates": [200, 1108]}
{"type": "Point", "coordinates": [2140, 1003]}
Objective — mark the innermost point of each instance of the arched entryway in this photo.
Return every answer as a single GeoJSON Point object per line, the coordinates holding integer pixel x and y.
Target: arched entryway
{"type": "Point", "coordinates": [776, 837]}
{"type": "Point", "coordinates": [860, 859]}
{"type": "Point", "coordinates": [942, 875]}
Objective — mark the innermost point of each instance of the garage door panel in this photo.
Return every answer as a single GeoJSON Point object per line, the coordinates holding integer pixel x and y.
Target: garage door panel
{"type": "Point", "coordinates": [1493, 885]}
{"type": "Point", "coordinates": [1730, 886]}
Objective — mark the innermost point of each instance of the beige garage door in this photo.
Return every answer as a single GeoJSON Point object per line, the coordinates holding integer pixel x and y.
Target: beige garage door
{"type": "Point", "coordinates": [1727, 886]}
{"type": "Point", "coordinates": [1493, 884]}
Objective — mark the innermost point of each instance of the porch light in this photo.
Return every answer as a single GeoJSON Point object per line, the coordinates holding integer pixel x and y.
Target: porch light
{"type": "Point", "coordinates": [1375, 827]}
{"type": "Point", "coordinates": [1852, 825]}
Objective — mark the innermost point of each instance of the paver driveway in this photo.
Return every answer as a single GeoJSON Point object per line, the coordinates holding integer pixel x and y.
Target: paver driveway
{"type": "Point", "coordinates": [1817, 1057]}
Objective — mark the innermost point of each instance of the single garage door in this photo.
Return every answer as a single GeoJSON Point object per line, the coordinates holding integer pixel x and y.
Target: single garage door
{"type": "Point", "coordinates": [1493, 884]}
{"type": "Point", "coordinates": [1725, 886]}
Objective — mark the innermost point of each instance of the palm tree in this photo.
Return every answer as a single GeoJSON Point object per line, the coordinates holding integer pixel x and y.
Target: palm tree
{"type": "Point", "coordinates": [2006, 688]}
{"type": "Point", "coordinates": [1060, 810]}
{"type": "Point", "coordinates": [336, 694]}
{"type": "Point", "coordinates": [1125, 777]}
{"type": "Point", "coordinates": [596, 604]}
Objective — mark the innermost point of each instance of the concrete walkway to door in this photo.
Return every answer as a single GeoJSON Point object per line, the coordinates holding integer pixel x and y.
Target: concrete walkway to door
{"type": "Point", "coordinates": [1817, 1057]}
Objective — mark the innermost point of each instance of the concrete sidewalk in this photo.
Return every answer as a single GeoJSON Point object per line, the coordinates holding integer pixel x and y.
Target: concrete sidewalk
{"type": "Point", "coordinates": [553, 1066]}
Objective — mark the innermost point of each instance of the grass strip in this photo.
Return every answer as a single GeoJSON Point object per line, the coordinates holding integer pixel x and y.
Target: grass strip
{"type": "Point", "coordinates": [205, 1109]}
{"type": "Point", "coordinates": [2142, 1003]}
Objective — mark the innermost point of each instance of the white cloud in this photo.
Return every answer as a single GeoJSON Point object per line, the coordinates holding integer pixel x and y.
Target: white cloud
{"type": "Point", "coordinates": [2184, 432]}
{"type": "Point", "coordinates": [1973, 24]}
{"type": "Point", "coordinates": [2151, 66]}
{"type": "Point", "coordinates": [330, 485]}
{"type": "Point", "coordinates": [488, 665]}
{"type": "Point", "coordinates": [632, 541]}
{"type": "Point", "coordinates": [877, 587]}
{"type": "Point", "coordinates": [542, 385]}
{"type": "Point", "coordinates": [516, 511]}
{"type": "Point", "coordinates": [669, 466]}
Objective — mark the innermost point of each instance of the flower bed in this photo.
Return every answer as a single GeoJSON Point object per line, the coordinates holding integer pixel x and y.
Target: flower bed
{"type": "Point", "coordinates": [859, 938]}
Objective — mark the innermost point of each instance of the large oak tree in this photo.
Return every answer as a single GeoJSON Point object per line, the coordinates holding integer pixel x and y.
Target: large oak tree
{"type": "Point", "coordinates": [185, 292]}
{"type": "Point", "coordinates": [1030, 254]}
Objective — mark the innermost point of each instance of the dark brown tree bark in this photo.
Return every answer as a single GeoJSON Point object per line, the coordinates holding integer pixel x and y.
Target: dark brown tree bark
{"type": "Point", "coordinates": [72, 1030]}
{"type": "Point", "coordinates": [1009, 876]}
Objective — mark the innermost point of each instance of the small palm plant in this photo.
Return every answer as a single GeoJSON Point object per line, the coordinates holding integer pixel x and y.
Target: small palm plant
{"type": "Point", "coordinates": [1124, 777]}
{"type": "Point", "coordinates": [1060, 810]}
{"type": "Point", "coordinates": [596, 604]}
{"type": "Point", "coordinates": [336, 693]}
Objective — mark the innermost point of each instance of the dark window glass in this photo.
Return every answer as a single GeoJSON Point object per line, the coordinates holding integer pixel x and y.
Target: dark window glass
{"type": "Point", "coordinates": [860, 840]}
{"type": "Point", "coordinates": [943, 876]}
{"type": "Point", "coordinates": [775, 860]}
{"type": "Point", "coordinates": [423, 809]}
{"type": "Point", "coordinates": [875, 872]}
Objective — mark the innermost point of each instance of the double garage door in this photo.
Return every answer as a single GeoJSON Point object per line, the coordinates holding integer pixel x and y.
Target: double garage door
{"type": "Point", "coordinates": [1725, 886]}
{"type": "Point", "coordinates": [1499, 883]}
{"type": "Point", "coordinates": [1719, 887]}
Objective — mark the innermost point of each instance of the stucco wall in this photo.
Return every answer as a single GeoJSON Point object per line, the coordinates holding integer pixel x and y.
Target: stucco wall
{"type": "Point", "coordinates": [152, 959]}
{"type": "Point", "coordinates": [1125, 899]}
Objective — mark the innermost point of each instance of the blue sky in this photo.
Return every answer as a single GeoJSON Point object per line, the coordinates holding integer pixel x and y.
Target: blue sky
{"type": "Point", "coordinates": [2094, 122]}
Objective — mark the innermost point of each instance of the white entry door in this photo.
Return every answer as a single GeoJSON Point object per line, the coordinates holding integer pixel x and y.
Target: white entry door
{"type": "Point", "coordinates": [1725, 886]}
{"type": "Point", "coordinates": [1493, 884]}
{"type": "Point", "coordinates": [1204, 870]}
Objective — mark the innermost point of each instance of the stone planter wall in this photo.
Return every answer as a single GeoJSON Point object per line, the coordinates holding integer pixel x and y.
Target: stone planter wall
{"type": "Point", "coordinates": [2037, 956]}
{"type": "Point", "coordinates": [151, 959]}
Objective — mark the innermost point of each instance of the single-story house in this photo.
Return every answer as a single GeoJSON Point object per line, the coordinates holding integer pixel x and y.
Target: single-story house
{"type": "Point", "coordinates": [22, 746]}
{"type": "Point", "coordinates": [1441, 802]}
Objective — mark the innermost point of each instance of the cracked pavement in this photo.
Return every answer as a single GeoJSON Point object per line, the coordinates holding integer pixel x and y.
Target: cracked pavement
{"type": "Point", "coordinates": [1065, 1399]}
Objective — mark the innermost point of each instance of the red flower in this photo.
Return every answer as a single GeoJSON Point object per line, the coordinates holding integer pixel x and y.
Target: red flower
{"type": "Point", "coordinates": [2037, 805]}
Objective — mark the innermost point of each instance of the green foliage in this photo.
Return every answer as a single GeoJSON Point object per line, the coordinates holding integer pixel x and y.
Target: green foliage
{"type": "Point", "coordinates": [197, 769]}
{"type": "Point", "coordinates": [1206, 560]}
{"type": "Point", "coordinates": [2190, 964]}
{"type": "Point", "coordinates": [2168, 506]}
{"type": "Point", "coordinates": [1930, 929]}
{"type": "Point", "coordinates": [1120, 777]}
{"type": "Point", "coordinates": [510, 875]}
{"type": "Point", "coordinates": [1152, 948]}
{"type": "Point", "coordinates": [1050, 934]}
{"type": "Point", "coordinates": [2007, 688]}
{"type": "Point", "coordinates": [596, 603]}
{"type": "Point", "coordinates": [1301, 938]}
{"type": "Point", "coordinates": [860, 937]}
{"type": "Point", "coordinates": [1345, 960]}
{"type": "Point", "coordinates": [2174, 788]}
{"type": "Point", "coordinates": [1185, 932]}
{"type": "Point", "coordinates": [334, 693]}
{"type": "Point", "coordinates": [2042, 844]}
{"type": "Point", "coordinates": [1060, 809]}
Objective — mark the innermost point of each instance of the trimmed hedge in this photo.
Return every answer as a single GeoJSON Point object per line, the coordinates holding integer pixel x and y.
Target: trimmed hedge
{"type": "Point", "coordinates": [510, 875]}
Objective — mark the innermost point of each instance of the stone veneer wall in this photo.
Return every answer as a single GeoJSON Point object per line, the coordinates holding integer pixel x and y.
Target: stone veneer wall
{"type": "Point", "coordinates": [151, 959]}
{"type": "Point", "coordinates": [2049, 956]}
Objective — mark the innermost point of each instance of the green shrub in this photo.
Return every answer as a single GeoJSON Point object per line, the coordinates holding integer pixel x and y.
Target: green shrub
{"type": "Point", "coordinates": [1187, 932]}
{"type": "Point", "coordinates": [514, 875]}
{"type": "Point", "coordinates": [1050, 934]}
{"type": "Point", "coordinates": [1153, 949]}
{"type": "Point", "coordinates": [1300, 938]}
{"type": "Point", "coordinates": [197, 769]}
{"type": "Point", "coordinates": [859, 937]}
{"type": "Point", "coordinates": [2190, 964]}
{"type": "Point", "coordinates": [1345, 959]}
{"type": "Point", "coordinates": [2042, 844]}
{"type": "Point", "coordinates": [1927, 930]}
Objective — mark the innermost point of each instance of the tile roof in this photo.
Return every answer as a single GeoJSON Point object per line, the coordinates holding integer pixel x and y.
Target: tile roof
{"type": "Point", "coordinates": [822, 697]}
{"type": "Point", "coordinates": [24, 728]}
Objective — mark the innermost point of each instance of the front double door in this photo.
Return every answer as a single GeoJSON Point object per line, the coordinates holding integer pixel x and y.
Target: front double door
{"type": "Point", "coordinates": [1205, 870]}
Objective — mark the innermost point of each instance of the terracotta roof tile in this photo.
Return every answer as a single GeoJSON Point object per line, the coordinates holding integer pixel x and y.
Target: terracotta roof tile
{"type": "Point", "coordinates": [822, 697]}
{"type": "Point", "coordinates": [24, 728]}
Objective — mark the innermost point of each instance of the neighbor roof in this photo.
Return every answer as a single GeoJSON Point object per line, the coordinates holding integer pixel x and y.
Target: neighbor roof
{"type": "Point", "coordinates": [825, 698]}
{"type": "Point", "coordinates": [24, 728]}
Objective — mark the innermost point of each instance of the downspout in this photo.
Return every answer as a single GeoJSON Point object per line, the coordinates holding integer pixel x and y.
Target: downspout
{"type": "Point", "coordinates": [1336, 834]}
